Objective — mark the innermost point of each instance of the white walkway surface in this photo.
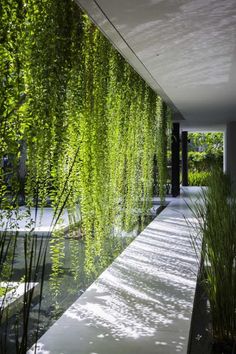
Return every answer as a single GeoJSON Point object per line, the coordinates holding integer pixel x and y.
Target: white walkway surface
{"type": "Point", "coordinates": [142, 304]}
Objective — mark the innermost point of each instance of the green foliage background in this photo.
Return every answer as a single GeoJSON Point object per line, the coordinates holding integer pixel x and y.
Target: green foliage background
{"type": "Point", "coordinates": [205, 154]}
{"type": "Point", "coordinates": [211, 153]}
{"type": "Point", "coordinates": [91, 124]}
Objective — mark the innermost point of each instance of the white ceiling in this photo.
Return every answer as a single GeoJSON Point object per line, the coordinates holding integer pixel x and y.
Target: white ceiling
{"type": "Point", "coordinates": [185, 50]}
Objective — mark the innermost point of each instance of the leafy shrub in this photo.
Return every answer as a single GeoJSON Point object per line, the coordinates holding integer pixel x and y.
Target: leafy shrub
{"type": "Point", "coordinates": [205, 150]}
{"type": "Point", "coordinates": [196, 178]}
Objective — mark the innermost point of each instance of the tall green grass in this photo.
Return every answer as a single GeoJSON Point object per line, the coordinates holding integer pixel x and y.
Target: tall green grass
{"type": "Point", "coordinates": [215, 212]}
{"type": "Point", "coordinates": [32, 270]}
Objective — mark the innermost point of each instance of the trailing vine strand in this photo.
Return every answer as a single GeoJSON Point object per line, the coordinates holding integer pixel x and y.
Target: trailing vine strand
{"type": "Point", "coordinates": [89, 124]}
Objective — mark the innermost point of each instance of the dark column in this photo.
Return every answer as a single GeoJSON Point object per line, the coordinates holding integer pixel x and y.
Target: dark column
{"type": "Point", "coordinates": [175, 160]}
{"type": "Point", "coordinates": [229, 151]}
{"type": "Point", "coordinates": [184, 158]}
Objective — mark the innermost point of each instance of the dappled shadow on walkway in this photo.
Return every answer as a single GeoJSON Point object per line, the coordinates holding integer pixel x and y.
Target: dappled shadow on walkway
{"type": "Point", "coordinates": [142, 303]}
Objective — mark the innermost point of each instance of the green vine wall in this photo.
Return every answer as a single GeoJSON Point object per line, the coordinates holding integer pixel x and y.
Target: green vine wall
{"type": "Point", "coordinates": [91, 124]}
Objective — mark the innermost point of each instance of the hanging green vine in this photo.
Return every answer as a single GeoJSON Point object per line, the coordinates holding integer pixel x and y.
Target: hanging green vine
{"type": "Point", "coordinates": [116, 144]}
{"type": "Point", "coordinates": [162, 140]}
{"type": "Point", "coordinates": [12, 96]}
{"type": "Point", "coordinates": [90, 125]}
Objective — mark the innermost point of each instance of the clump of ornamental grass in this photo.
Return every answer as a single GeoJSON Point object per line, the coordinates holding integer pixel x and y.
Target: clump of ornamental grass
{"type": "Point", "coordinates": [215, 212]}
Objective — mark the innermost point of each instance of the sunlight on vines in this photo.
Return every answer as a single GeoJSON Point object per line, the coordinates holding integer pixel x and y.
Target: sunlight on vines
{"type": "Point", "coordinates": [80, 130]}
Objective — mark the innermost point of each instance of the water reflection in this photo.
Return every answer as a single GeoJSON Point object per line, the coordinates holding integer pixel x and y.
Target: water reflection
{"type": "Point", "coordinates": [60, 262]}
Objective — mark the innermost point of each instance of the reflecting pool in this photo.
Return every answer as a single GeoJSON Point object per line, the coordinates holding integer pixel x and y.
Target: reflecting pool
{"type": "Point", "coordinates": [59, 265]}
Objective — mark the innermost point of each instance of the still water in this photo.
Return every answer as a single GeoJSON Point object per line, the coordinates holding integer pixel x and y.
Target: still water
{"type": "Point", "coordinates": [64, 274]}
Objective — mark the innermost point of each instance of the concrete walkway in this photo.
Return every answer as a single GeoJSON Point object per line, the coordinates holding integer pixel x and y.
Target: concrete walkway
{"type": "Point", "coordinates": [142, 304]}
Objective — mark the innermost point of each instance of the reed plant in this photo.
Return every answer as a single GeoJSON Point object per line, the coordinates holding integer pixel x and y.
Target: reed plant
{"type": "Point", "coordinates": [215, 240]}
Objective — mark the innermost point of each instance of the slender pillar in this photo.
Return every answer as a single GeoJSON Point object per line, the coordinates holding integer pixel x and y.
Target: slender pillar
{"type": "Point", "coordinates": [224, 150]}
{"type": "Point", "coordinates": [184, 140]}
{"type": "Point", "coordinates": [175, 180]}
{"type": "Point", "coordinates": [230, 151]}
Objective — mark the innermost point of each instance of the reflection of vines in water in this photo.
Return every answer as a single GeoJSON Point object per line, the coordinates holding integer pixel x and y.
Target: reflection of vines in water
{"type": "Point", "coordinates": [57, 262]}
{"type": "Point", "coordinates": [14, 270]}
{"type": "Point", "coordinates": [76, 258]}
{"type": "Point", "coordinates": [68, 260]}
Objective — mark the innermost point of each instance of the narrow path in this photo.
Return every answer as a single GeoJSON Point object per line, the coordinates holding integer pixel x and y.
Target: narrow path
{"type": "Point", "coordinates": [143, 302]}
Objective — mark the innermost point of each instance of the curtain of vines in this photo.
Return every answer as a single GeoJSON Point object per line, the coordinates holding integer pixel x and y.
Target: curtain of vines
{"type": "Point", "coordinates": [12, 95]}
{"type": "Point", "coordinates": [91, 125]}
{"type": "Point", "coordinates": [163, 131]}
